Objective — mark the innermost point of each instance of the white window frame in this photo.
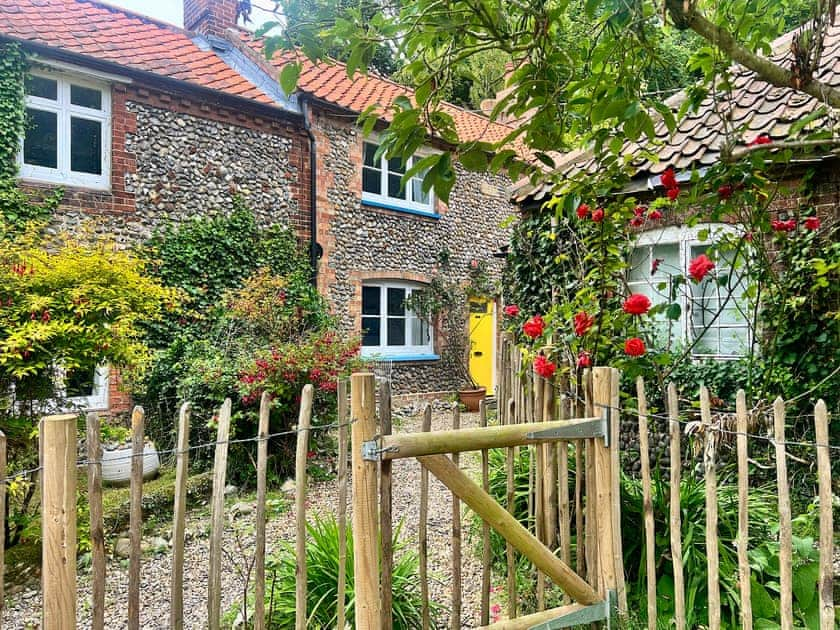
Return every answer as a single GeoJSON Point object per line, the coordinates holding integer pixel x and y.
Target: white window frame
{"type": "Point", "coordinates": [383, 200]}
{"type": "Point", "coordinates": [687, 238]}
{"type": "Point", "coordinates": [64, 111]}
{"type": "Point", "coordinates": [383, 350]}
{"type": "Point", "coordinates": [97, 401]}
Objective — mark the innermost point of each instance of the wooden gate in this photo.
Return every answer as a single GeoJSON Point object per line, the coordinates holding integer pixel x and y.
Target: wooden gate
{"type": "Point", "coordinates": [594, 598]}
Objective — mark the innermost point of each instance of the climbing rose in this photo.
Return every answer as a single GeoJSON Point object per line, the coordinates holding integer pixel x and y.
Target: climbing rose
{"type": "Point", "coordinates": [673, 193]}
{"type": "Point", "coordinates": [699, 267]}
{"type": "Point", "coordinates": [636, 304]}
{"type": "Point", "coordinates": [584, 360]}
{"type": "Point", "coordinates": [637, 221]}
{"type": "Point", "coordinates": [544, 367]}
{"type": "Point", "coordinates": [582, 211]}
{"type": "Point", "coordinates": [534, 327]}
{"type": "Point", "coordinates": [654, 215]}
{"type": "Point", "coordinates": [655, 265]}
{"type": "Point", "coordinates": [511, 310]}
{"type": "Point", "coordinates": [669, 178]}
{"type": "Point", "coordinates": [725, 191]}
{"type": "Point", "coordinates": [783, 226]}
{"type": "Point", "coordinates": [639, 211]}
{"type": "Point", "coordinates": [812, 223]}
{"type": "Point", "coordinates": [583, 323]}
{"type": "Point", "coordinates": [761, 139]}
{"type": "Point", "coordinates": [598, 215]}
{"type": "Point", "coordinates": [634, 347]}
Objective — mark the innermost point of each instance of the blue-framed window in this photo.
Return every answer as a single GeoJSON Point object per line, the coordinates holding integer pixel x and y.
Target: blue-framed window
{"type": "Point", "coordinates": [389, 329]}
{"type": "Point", "coordinates": [382, 184]}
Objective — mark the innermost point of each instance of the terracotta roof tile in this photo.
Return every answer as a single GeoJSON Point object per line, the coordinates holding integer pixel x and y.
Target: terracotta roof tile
{"type": "Point", "coordinates": [330, 83]}
{"type": "Point", "coordinates": [100, 31]}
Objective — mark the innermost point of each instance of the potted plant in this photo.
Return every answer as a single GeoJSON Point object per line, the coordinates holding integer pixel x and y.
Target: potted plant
{"type": "Point", "coordinates": [116, 456]}
{"type": "Point", "coordinates": [444, 302]}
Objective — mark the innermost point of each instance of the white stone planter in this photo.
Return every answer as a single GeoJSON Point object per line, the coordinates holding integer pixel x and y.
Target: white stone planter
{"type": "Point", "coordinates": [116, 464]}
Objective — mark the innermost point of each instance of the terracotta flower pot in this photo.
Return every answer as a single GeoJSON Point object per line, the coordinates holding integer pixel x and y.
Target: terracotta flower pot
{"type": "Point", "coordinates": [471, 397]}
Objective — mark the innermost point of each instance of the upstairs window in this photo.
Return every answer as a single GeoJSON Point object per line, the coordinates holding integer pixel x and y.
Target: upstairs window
{"type": "Point", "coordinates": [389, 329]}
{"type": "Point", "coordinates": [713, 313]}
{"type": "Point", "coordinates": [382, 184]}
{"type": "Point", "coordinates": [68, 132]}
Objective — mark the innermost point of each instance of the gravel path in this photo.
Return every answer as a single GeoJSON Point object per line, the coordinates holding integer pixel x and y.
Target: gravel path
{"type": "Point", "coordinates": [23, 609]}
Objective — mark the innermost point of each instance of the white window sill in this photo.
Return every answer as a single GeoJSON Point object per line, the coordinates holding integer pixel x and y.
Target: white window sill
{"type": "Point", "coordinates": [396, 207]}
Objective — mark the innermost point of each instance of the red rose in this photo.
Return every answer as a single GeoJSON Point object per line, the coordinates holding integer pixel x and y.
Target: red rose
{"type": "Point", "coordinates": [783, 226]}
{"type": "Point", "coordinates": [725, 191]}
{"type": "Point", "coordinates": [582, 211]}
{"type": "Point", "coordinates": [699, 267]}
{"type": "Point", "coordinates": [511, 310]}
{"type": "Point", "coordinates": [534, 327]}
{"type": "Point", "coordinates": [598, 215]}
{"type": "Point", "coordinates": [654, 215]}
{"type": "Point", "coordinates": [761, 139]}
{"type": "Point", "coordinates": [639, 211]}
{"type": "Point", "coordinates": [544, 367]}
{"type": "Point", "coordinates": [636, 304]}
{"type": "Point", "coordinates": [634, 347]}
{"type": "Point", "coordinates": [637, 221]}
{"type": "Point", "coordinates": [669, 178]}
{"type": "Point", "coordinates": [583, 323]}
{"type": "Point", "coordinates": [812, 223]}
{"type": "Point", "coordinates": [584, 360]}
{"type": "Point", "coordinates": [673, 193]}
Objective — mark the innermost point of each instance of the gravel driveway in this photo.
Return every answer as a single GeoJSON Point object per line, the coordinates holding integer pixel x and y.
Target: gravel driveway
{"type": "Point", "coordinates": [23, 609]}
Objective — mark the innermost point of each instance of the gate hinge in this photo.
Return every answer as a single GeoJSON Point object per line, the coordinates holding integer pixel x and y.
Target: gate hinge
{"type": "Point", "coordinates": [371, 451]}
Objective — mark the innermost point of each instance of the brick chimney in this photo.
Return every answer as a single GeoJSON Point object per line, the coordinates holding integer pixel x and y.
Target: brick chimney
{"type": "Point", "coordinates": [210, 17]}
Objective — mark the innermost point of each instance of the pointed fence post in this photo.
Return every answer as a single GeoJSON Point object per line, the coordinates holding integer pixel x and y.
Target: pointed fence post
{"type": "Point", "coordinates": [135, 528]}
{"type": "Point", "coordinates": [217, 519]}
{"type": "Point", "coordinates": [259, 536]}
{"type": "Point", "coordinates": [97, 529]}
{"type": "Point", "coordinates": [179, 518]}
{"type": "Point", "coordinates": [304, 418]}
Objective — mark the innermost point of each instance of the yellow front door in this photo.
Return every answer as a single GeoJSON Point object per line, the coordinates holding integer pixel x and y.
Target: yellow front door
{"type": "Point", "coordinates": [482, 333]}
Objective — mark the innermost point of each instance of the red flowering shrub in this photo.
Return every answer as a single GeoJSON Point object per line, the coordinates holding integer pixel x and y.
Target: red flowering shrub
{"type": "Point", "coordinates": [699, 267]}
{"type": "Point", "coordinates": [654, 215]}
{"type": "Point", "coordinates": [783, 226]}
{"type": "Point", "coordinates": [761, 139]}
{"type": "Point", "coordinates": [544, 367]}
{"type": "Point", "coordinates": [598, 215]}
{"type": "Point", "coordinates": [637, 221]}
{"type": "Point", "coordinates": [534, 327]}
{"type": "Point", "coordinates": [634, 347]}
{"type": "Point", "coordinates": [812, 223]}
{"type": "Point", "coordinates": [582, 211]}
{"type": "Point", "coordinates": [583, 322]}
{"type": "Point", "coordinates": [511, 310]}
{"type": "Point", "coordinates": [673, 193]}
{"type": "Point", "coordinates": [725, 191]}
{"type": "Point", "coordinates": [636, 304]}
{"type": "Point", "coordinates": [639, 211]}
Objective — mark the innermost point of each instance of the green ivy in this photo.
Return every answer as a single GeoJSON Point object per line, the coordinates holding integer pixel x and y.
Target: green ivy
{"type": "Point", "coordinates": [16, 207]}
{"type": "Point", "coordinates": [204, 257]}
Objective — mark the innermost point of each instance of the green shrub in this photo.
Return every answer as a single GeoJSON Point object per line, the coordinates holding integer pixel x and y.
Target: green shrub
{"type": "Point", "coordinates": [322, 582]}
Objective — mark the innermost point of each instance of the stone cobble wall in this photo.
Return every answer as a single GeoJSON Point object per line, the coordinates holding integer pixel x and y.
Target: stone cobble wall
{"type": "Point", "coordinates": [188, 166]}
{"type": "Point", "coordinates": [362, 242]}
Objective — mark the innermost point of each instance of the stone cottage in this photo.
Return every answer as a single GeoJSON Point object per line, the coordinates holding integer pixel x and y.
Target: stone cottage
{"type": "Point", "coordinates": [143, 122]}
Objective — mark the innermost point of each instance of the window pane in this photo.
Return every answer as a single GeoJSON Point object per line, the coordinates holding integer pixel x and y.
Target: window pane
{"type": "Point", "coordinates": [396, 331]}
{"type": "Point", "coordinates": [39, 86]}
{"type": "Point", "coordinates": [396, 299]}
{"type": "Point", "coordinates": [370, 155]}
{"type": "Point", "coordinates": [79, 382]}
{"type": "Point", "coordinates": [371, 181]}
{"type": "Point", "coordinates": [395, 187]}
{"type": "Point", "coordinates": [370, 328]}
{"type": "Point", "coordinates": [40, 145]}
{"type": "Point", "coordinates": [85, 146]}
{"type": "Point", "coordinates": [419, 332]}
{"type": "Point", "coordinates": [85, 97]}
{"type": "Point", "coordinates": [395, 165]}
{"type": "Point", "coordinates": [417, 191]}
{"type": "Point", "coordinates": [371, 299]}
{"type": "Point", "coordinates": [733, 341]}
